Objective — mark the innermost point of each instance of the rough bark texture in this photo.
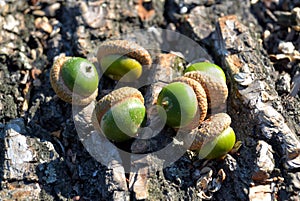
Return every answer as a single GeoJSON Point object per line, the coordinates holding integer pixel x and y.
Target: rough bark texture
{"type": "Point", "coordinates": [42, 156]}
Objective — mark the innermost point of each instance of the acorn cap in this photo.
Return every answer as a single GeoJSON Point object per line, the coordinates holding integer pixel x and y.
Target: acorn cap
{"type": "Point", "coordinates": [62, 90]}
{"type": "Point", "coordinates": [210, 129]}
{"type": "Point", "coordinates": [215, 88]}
{"type": "Point", "coordinates": [116, 96]}
{"type": "Point", "coordinates": [200, 95]}
{"type": "Point", "coordinates": [124, 47]}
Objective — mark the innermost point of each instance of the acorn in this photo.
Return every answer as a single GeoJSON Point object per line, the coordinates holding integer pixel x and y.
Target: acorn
{"type": "Point", "coordinates": [180, 101]}
{"type": "Point", "coordinates": [74, 80]}
{"type": "Point", "coordinates": [209, 68]}
{"type": "Point", "coordinates": [214, 137]}
{"type": "Point", "coordinates": [123, 60]}
{"type": "Point", "coordinates": [200, 95]}
{"type": "Point", "coordinates": [119, 114]}
{"type": "Point", "coordinates": [215, 88]}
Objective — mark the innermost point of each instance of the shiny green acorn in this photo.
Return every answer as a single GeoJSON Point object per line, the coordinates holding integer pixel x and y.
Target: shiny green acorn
{"type": "Point", "coordinates": [179, 102]}
{"type": "Point", "coordinates": [123, 60]}
{"type": "Point", "coordinates": [121, 67]}
{"type": "Point", "coordinates": [213, 80]}
{"type": "Point", "coordinates": [120, 114]}
{"type": "Point", "coordinates": [209, 68]}
{"type": "Point", "coordinates": [74, 80]}
{"type": "Point", "coordinates": [220, 146]}
{"type": "Point", "coordinates": [80, 76]}
{"type": "Point", "coordinates": [214, 138]}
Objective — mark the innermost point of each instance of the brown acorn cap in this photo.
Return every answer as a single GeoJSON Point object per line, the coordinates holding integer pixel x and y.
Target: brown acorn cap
{"type": "Point", "coordinates": [124, 47]}
{"type": "Point", "coordinates": [62, 90]}
{"type": "Point", "coordinates": [216, 90]}
{"type": "Point", "coordinates": [116, 96]}
{"type": "Point", "coordinates": [210, 129]}
{"type": "Point", "coordinates": [200, 95]}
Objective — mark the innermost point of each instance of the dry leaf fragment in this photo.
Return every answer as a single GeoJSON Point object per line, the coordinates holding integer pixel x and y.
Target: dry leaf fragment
{"type": "Point", "coordinates": [144, 13]}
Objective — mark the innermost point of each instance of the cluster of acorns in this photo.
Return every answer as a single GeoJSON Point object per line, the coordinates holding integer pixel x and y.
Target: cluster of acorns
{"type": "Point", "coordinates": [195, 101]}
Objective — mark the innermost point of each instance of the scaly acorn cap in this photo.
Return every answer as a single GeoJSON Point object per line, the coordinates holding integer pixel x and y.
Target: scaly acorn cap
{"type": "Point", "coordinates": [109, 100]}
{"type": "Point", "coordinates": [62, 90]}
{"type": "Point", "coordinates": [216, 89]}
{"type": "Point", "coordinates": [210, 129]}
{"type": "Point", "coordinates": [200, 95]}
{"type": "Point", "coordinates": [124, 47]}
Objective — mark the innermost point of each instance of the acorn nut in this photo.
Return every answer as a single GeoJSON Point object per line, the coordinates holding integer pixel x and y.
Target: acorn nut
{"type": "Point", "coordinates": [200, 95]}
{"type": "Point", "coordinates": [213, 80]}
{"type": "Point", "coordinates": [123, 60]}
{"type": "Point", "coordinates": [209, 68]}
{"type": "Point", "coordinates": [119, 114]}
{"type": "Point", "coordinates": [214, 138]}
{"type": "Point", "coordinates": [180, 104]}
{"type": "Point", "coordinates": [74, 80]}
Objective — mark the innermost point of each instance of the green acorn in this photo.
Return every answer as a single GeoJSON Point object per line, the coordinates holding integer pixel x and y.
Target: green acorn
{"type": "Point", "coordinates": [215, 88]}
{"type": "Point", "coordinates": [180, 103]}
{"type": "Point", "coordinates": [74, 80]}
{"type": "Point", "coordinates": [119, 114]}
{"type": "Point", "coordinates": [209, 68]}
{"type": "Point", "coordinates": [123, 60]}
{"type": "Point", "coordinates": [214, 138]}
